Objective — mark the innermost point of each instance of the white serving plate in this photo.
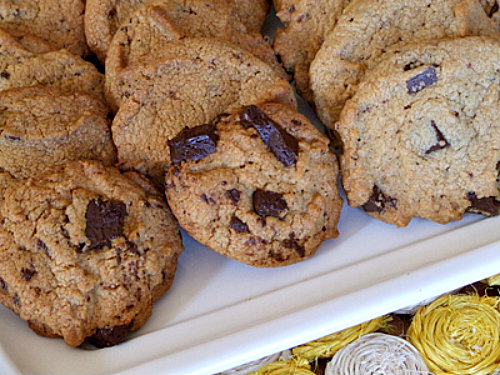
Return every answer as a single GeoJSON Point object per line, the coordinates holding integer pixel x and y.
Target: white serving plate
{"type": "Point", "coordinates": [220, 313]}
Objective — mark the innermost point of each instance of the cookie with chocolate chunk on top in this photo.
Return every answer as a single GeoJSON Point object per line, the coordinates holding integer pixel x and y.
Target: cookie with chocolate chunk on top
{"type": "Point", "coordinates": [258, 186]}
{"type": "Point", "coordinates": [85, 251]}
{"type": "Point", "coordinates": [421, 135]}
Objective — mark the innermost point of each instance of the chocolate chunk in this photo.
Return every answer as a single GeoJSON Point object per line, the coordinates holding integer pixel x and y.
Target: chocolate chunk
{"type": "Point", "coordinates": [234, 195]}
{"type": "Point", "coordinates": [28, 273]}
{"type": "Point", "coordinates": [276, 255]}
{"type": "Point", "coordinates": [442, 142]}
{"type": "Point", "coordinates": [493, 9]}
{"type": "Point", "coordinates": [422, 80]}
{"type": "Point", "coordinates": [193, 143]}
{"type": "Point", "coordinates": [489, 206]}
{"type": "Point", "coordinates": [238, 225]}
{"type": "Point", "coordinates": [378, 201]}
{"type": "Point", "coordinates": [104, 221]}
{"type": "Point", "coordinates": [293, 244]}
{"type": "Point", "coordinates": [282, 144]}
{"type": "Point", "coordinates": [336, 143]}
{"type": "Point", "coordinates": [3, 284]}
{"type": "Point", "coordinates": [5, 75]}
{"type": "Point", "coordinates": [268, 203]}
{"type": "Point", "coordinates": [106, 337]}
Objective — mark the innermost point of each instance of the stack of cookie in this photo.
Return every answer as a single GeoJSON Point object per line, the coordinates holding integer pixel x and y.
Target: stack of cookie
{"type": "Point", "coordinates": [413, 90]}
{"type": "Point", "coordinates": [194, 101]}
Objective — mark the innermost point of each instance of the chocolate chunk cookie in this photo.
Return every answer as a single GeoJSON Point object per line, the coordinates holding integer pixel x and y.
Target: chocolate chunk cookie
{"type": "Point", "coordinates": [85, 252]}
{"type": "Point", "coordinates": [367, 29]}
{"type": "Point", "coordinates": [421, 135]}
{"type": "Point", "coordinates": [56, 22]}
{"type": "Point", "coordinates": [206, 79]}
{"type": "Point", "coordinates": [307, 23]}
{"type": "Point", "coordinates": [42, 126]}
{"type": "Point", "coordinates": [149, 32]}
{"type": "Point", "coordinates": [258, 186]}
{"type": "Point", "coordinates": [20, 67]}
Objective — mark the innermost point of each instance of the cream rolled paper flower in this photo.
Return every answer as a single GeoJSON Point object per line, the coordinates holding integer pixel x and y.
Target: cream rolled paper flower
{"type": "Point", "coordinates": [459, 335]}
{"type": "Point", "coordinates": [377, 354]}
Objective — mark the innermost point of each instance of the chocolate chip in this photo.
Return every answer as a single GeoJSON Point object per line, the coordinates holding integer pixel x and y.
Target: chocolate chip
{"type": "Point", "coordinates": [234, 195]}
{"type": "Point", "coordinates": [3, 284]}
{"type": "Point", "coordinates": [276, 255]}
{"type": "Point", "coordinates": [268, 203]}
{"type": "Point", "coordinates": [104, 221]}
{"type": "Point", "coordinates": [193, 143]}
{"type": "Point", "coordinates": [282, 144]}
{"type": "Point", "coordinates": [493, 9]}
{"type": "Point", "coordinates": [489, 206]}
{"type": "Point", "coordinates": [378, 201]}
{"type": "Point", "coordinates": [5, 75]}
{"type": "Point", "coordinates": [204, 198]}
{"type": "Point", "coordinates": [28, 273]}
{"type": "Point", "coordinates": [336, 143]}
{"type": "Point", "coordinates": [238, 225]}
{"type": "Point", "coordinates": [442, 142]}
{"type": "Point", "coordinates": [422, 80]}
{"type": "Point", "coordinates": [293, 244]}
{"type": "Point", "coordinates": [106, 337]}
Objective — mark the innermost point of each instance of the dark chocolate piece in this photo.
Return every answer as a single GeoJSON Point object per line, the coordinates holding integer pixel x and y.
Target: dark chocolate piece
{"type": "Point", "coordinates": [442, 142]}
{"type": "Point", "coordinates": [282, 144]}
{"type": "Point", "coordinates": [489, 206]}
{"type": "Point", "coordinates": [193, 143]}
{"type": "Point", "coordinates": [336, 143]}
{"type": "Point", "coordinates": [268, 203]}
{"type": "Point", "coordinates": [422, 80]}
{"type": "Point", "coordinates": [104, 221]}
{"type": "Point", "coordinates": [28, 273]}
{"type": "Point", "coordinates": [234, 195]}
{"type": "Point", "coordinates": [293, 244]}
{"type": "Point", "coordinates": [106, 337]}
{"type": "Point", "coordinates": [378, 201]}
{"type": "Point", "coordinates": [238, 225]}
{"type": "Point", "coordinates": [493, 10]}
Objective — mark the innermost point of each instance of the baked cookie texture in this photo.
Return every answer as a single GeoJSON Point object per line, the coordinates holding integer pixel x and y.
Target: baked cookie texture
{"type": "Point", "coordinates": [367, 29]}
{"type": "Point", "coordinates": [204, 80]}
{"type": "Point", "coordinates": [20, 68]}
{"type": "Point", "coordinates": [42, 126]}
{"type": "Point", "coordinates": [306, 24]}
{"type": "Point", "coordinates": [421, 135]}
{"type": "Point", "coordinates": [85, 252]}
{"type": "Point", "coordinates": [149, 32]}
{"type": "Point", "coordinates": [104, 17]}
{"type": "Point", "coordinates": [258, 186]}
{"type": "Point", "coordinates": [59, 23]}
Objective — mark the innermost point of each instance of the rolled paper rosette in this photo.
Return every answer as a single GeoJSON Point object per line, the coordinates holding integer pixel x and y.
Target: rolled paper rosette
{"type": "Point", "coordinates": [294, 366]}
{"type": "Point", "coordinates": [253, 366]}
{"type": "Point", "coordinates": [459, 335]}
{"type": "Point", "coordinates": [377, 354]}
{"type": "Point", "coordinates": [327, 346]}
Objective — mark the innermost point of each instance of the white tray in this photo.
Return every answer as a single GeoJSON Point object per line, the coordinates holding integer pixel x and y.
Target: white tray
{"type": "Point", "coordinates": [220, 313]}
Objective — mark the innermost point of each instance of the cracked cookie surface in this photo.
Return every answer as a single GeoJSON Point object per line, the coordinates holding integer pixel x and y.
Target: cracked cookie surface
{"type": "Point", "coordinates": [258, 186]}
{"type": "Point", "coordinates": [421, 135]}
{"type": "Point", "coordinates": [85, 252]}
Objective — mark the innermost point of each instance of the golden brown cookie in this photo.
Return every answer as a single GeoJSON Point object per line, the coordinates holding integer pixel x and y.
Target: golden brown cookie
{"type": "Point", "coordinates": [367, 28]}
{"type": "Point", "coordinates": [206, 79]}
{"type": "Point", "coordinates": [149, 32]}
{"type": "Point", "coordinates": [258, 186]}
{"type": "Point", "coordinates": [85, 252]}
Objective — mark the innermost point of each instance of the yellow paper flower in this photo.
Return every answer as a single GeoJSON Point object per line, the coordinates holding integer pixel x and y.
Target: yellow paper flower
{"type": "Point", "coordinates": [295, 366]}
{"type": "Point", "coordinates": [494, 280]}
{"type": "Point", "coordinates": [458, 335]}
{"type": "Point", "coordinates": [327, 346]}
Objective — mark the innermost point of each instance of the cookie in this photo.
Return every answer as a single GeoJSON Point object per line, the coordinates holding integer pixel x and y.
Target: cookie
{"type": "Point", "coordinates": [85, 252]}
{"type": "Point", "coordinates": [206, 79]}
{"type": "Point", "coordinates": [56, 22]}
{"type": "Point", "coordinates": [104, 17]}
{"type": "Point", "coordinates": [421, 135]}
{"type": "Point", "coordinates": [307, 23]}
{"type": "Point", "coordinates": [42, 126]}
{"type": "Point", "coordinates": [20, 68]}
{"type": "Point", "coordinates": [367, 29]}
{"type": "Point", "coordinates": [258, 186]}
{"type": "Point", "coordinates": [149, 32]}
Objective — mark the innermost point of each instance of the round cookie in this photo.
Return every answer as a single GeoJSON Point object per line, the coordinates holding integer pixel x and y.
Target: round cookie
{"type": "Point", "coordinates": [307, 23]}
{"type": "Point", "coordinates": [104, 17]}
{"type": "Point", "coordinates": [43, 126]}
{"type": "Point", "coordinates": [421, 135]}
{"type": "Point", "coordinates": [57, 22]}
{"type": "Point", "coordinates": [367, 28]}
{"type": "Point", "coordinates": [20, 67]}
{"type": "Point", "coordinates": [206, 79]}
{"type": "Point", "coordinates": [85, 252]}
{"type": "Point", "coordinates": [149, 32]}
{"type": "Point", "coordinates": [258, 186]}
